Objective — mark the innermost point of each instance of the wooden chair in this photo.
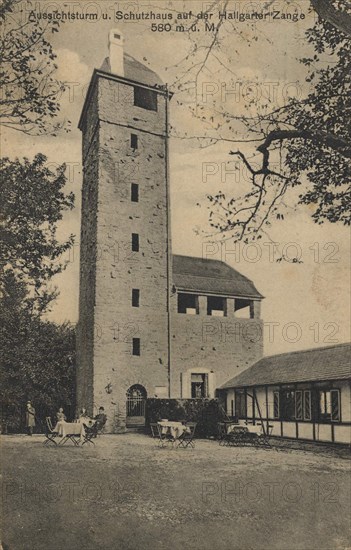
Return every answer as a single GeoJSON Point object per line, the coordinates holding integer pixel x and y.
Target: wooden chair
{"type": "Point", "coordinates": [187, 437]}
{"type": "Point", "coordinates": [101, 427]}
{"type": "Point", "coordinates": [263, 438]}
{"type": "Point", "coordinates": [154, 429]}
{"type": "Point", "coordinates": [74, 438]}
{"type": "Point", "coordinates": [164, 438]}
{"type": "Point", "coordinates": [222, 434]}
{"type": "Point", "coordinates": [50, 433]}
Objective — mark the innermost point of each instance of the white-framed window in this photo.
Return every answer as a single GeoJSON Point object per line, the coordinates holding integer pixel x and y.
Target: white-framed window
{"type": "Point", "coordinates": [199, 385]}
{"type": "Point", "coordinates": [329, 405]}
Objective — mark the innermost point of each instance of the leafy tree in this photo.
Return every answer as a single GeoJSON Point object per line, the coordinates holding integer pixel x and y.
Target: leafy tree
{"type": "Point", "coordinates": [304, 144]}
{"type": "Point", "coordinates": [30, 92]}
{"type": "Point", "coordinates": [37, 360]}
{"type": "Point", "coordinates": [33, 202]}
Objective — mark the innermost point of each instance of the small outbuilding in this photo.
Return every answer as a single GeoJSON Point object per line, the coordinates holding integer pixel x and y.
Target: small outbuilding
{"type": "Point", "coordinates": [303, 395]}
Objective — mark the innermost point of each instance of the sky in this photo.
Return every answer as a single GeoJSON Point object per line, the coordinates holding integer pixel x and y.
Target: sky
{"type": "Point", "coordinates": [306, 304]}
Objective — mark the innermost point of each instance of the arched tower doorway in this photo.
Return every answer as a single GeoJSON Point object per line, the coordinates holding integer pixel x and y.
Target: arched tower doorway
{"type": "Point", "coordinates": [136, 401]}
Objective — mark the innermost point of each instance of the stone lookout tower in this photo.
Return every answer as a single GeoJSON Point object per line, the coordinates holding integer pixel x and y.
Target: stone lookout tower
{"type": "Point", "coordinates": [123, 335]}
{"type": "Point", "coordinates": [150, 324]}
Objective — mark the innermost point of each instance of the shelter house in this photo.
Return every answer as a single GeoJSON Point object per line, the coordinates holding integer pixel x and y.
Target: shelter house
{"type": "Point", "coordinates": [303, 394]}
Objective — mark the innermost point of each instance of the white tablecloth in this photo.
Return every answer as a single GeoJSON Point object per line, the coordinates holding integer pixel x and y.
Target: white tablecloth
{"type": "Point", "coordinates": [69, 428]}
{"type": "Point", "coordinates": [176, 429]}
{"type": "Point", "coordinates": [86, 420]}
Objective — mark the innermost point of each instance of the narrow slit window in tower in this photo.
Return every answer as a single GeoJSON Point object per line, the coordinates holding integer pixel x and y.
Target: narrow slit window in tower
{"type": "Point", "coordinates": [134, 192]}
{"type": "Point", "coordinates": [135, 297]}
{"type": "Point", "coordinates": [134, 141]}
{"type": "Point", "coordinates": [136, 346]}
{"type": "Point", "coordinates": [135, 242]}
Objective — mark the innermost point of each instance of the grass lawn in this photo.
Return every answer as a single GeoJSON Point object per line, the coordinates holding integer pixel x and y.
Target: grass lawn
{"type": "Point", "coordinates": [126, 493]}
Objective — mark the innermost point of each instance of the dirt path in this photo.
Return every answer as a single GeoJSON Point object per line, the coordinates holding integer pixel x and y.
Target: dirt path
{"type": "Point", "coordinates": [127, 493]}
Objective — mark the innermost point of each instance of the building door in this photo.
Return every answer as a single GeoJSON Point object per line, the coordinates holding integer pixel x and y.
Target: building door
{"type": "Point", "coordinates": [136, 401]}
{"type": "Point", "coordinates": [240, 404]}
{"type": "Point", "coordinates": [287, 399]}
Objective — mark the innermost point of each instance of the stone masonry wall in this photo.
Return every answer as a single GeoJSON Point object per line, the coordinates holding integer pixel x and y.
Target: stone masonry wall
{"type": "Point", "coordinates": [88, 243]}
{"type": "Point", "coordinates": [222, 346]}
{"type": "Point", "coordinates": [118, 269]}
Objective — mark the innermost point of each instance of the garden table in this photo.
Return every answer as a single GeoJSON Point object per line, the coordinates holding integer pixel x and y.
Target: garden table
{"type": "Point", "coordinates": [248, 434]}
{"type": "Point", "coordinates": [70, 430]}
{"type": "Point", "coordinates": [175, 429]}
{"type": "Point", "coordinates": [257, 429]}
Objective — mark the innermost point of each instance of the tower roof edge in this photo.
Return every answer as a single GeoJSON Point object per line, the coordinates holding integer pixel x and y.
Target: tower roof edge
{"type": "Point", "coordinates": [134, 70]}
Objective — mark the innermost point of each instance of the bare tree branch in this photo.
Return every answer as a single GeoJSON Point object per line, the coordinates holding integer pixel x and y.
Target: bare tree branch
{"type": "Point", "coordinates": [339, 19]}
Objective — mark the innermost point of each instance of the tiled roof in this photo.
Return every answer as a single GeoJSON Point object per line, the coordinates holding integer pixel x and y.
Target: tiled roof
{"type": "Point", "coordinates": [134, 70]}
{"type": "Point", "coordinates": [211, 277]}
{"type": "Point", "coordinates": [327, 363]}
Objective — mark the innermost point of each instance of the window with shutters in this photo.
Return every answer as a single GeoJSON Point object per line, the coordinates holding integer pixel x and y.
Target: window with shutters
{"type": "Point", "coordinates": [276, 407]}
{"type": "Point", "coordinates": [307, 405]}
{"type": "Point", "coordinates": [298, 405]}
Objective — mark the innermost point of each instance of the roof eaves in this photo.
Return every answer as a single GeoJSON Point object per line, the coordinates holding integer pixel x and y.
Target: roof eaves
{"type": "Point", "coordinates": [257, 368]}
{"type": "Point", "coordinates": [195, 290]}
{"type": "Point", "coordinates": [307, 350]}
{"type": "Point", "coordinates": [230, 384]}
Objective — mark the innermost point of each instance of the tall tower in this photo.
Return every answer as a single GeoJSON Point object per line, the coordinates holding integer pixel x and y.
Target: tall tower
{"type": "Point", "coordinates": [123, 330]}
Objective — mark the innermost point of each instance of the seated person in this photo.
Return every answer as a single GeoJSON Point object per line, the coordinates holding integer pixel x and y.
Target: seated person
{"type": "Point", "coordinates": [83, 417]}
{"type": "Point", "coordinates": [60, 415]}
{"type": "Point", "coordinates": [101, 418]}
